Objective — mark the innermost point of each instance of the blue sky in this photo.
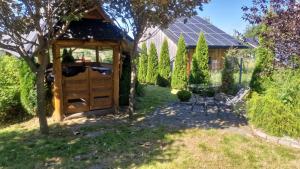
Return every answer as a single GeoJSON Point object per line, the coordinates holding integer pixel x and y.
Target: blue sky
{"type": "Point", "coordinates": [226, 14]}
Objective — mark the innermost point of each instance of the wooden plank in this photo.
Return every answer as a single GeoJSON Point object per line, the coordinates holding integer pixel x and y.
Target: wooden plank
{"type": "Point", "coordinates": [76, 95]}
{"type": "Point", "coordinates": [86, 43]}
{"type": "Point", "coordinates": [58, 95]}
{"type": "Point", "coordinates": [68, 86]}
{"type": "Point", "coordinates": [77, 107]}
{"type": "Point", "coordinates": [101, 93]}
{"type": "Point", "coordinates": [92, 113]}
{"type": "Point", "coordinates": [116, 77]}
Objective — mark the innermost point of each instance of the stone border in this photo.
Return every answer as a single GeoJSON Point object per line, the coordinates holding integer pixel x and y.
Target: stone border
{"type": "Point", "coordinates": [286, 141]}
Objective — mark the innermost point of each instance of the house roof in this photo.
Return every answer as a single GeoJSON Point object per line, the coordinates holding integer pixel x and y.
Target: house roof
{"type": "Point", "coordinates": [190, 29]}
{"type": "Point", "coordinates": [253, 42]}
{"type": "Point", "coordinates": [96, 29]}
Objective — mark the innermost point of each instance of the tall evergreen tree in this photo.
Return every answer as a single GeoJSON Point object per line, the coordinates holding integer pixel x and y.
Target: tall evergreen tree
{"type": "Point", "coordinates": [263, 66]}
{"type": "Point", "coordinates": [200, 69]}
{"type": "Point", "coordinates": [179, 76]}
{"type": "Point", "coordinates": [152, 68]}
{"type": "Point", "coordinates": [227, 76]}
{"type": "Point", "coordinates": [143, 63]}
{"type": "Point", "coordinates": [164, 65]}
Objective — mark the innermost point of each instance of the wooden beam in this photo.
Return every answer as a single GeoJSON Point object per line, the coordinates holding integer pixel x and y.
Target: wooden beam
{"type": "Point", "coordinates": [57, 90]}
{"type": "Point", "coordinates": [97, 54]}
{"type": "Point", "coordinates": [86, 44]}
{"type": "Point", "coordinates": [116, 77]}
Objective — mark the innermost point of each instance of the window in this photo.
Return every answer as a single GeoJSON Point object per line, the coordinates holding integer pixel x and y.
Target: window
{"type": "Point", "coordinates": [214, 64]}
{"type": "Point", "coordinates": [106, 56]}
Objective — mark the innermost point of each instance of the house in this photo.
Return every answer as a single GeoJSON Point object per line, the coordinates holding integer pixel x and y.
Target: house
{"type": "Point", "coordinates": [218, 41]}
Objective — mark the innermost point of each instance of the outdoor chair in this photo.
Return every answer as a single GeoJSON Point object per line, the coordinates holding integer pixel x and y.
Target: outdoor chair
{"type": "Point", "coordinates": [239, 97]}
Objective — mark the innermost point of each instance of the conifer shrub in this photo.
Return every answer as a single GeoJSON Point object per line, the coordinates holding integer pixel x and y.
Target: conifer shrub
{"type": "Point", "coordinates": [142, 65]}
{"type": "Point", "coordinates": [277, 109]}
{"type": "Point", "coordinates": [10, 104]}
{"type": "Point", "coordinates": [27, 88]}
{"type": "Point", "coordinates": [184, 95]}
{"type": "Point", "coordinates": [67, 56]}
{"type": "Point", "coordinates": [164, 66]}
{"type": "Point", "coordinates": [200, 68]}
{"type": "Point", "coordinates": [125, 82]}
{"type": "Point", "coordinates": [263, 67]}
{"type": "Point", "coordinates": [179, 75]}
{"type": "Point", "coordinates": [152, 68]}
{"type": "Point", "coordinates": [228, 85]}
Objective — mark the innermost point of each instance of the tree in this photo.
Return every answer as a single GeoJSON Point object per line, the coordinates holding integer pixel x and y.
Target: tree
{"type": "Point", "coordinates": [164, 65]}
{"type": "Point", "coordinates": [38, 19]}
{"type": "Point", "coordinates": [136, 16]}
{"type": "Point", "coordinates": [253, 31]}
{"type": "Point", "coordinates": [282, 19]}
{"type": "Point", "coordinates": [152, 68]}
{"type": "Point", "coordinates": [179, 76]}
{"type": "Point", "coordinates": [227, 75]}
{"type": "Point", "coordinates": [263, 66]}
{"type": "Point", "coordinates": [143, 63]}
{"type": "Point", "coordinates": [200, 69]}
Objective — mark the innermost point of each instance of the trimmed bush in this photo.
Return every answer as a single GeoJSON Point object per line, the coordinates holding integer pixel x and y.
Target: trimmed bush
{"type": "Point", "coordinates": [152, 68]}
{"type": "Point", "coordinates": [277, 110]}
{"type": "Point", "coordinates": [27, 88]}
{"type": "Point", "coordinates": [184, 95]}
{"type": "Point", "coordinates": [263, 67]}
{"type": "Point", "coordinates": [140, 89]}
{"type": "Point", "coordinates": [125, 82]}
{"type": "Point", "coordinates": [164, 66]}
{"type": "Point", "coordinates": [67, 56]}
{"type": "Point", "coordinates": [142, 66]}
{"type": "Point", "coordinates": [10, 105]}
{"type": "Point", "coordinates": [228, 85]}
{"type": "Point", "coordinates": [179, 76]}
{"type": "Point", "coordinates": [200, 69]}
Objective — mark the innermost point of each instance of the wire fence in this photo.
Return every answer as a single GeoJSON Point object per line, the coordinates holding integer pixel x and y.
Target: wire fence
{"type": "Point", "coordinates": [242, 77]}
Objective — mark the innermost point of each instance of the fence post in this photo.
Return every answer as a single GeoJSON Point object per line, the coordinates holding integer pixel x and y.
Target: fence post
{"type": "Point", "coordinates": [241, 71]}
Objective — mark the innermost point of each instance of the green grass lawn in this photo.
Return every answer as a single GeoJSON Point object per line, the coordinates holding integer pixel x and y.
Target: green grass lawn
{"type": "Point", "coordinates": [154, 97]}
{"type": "Point", "coordinates": [127, 146]}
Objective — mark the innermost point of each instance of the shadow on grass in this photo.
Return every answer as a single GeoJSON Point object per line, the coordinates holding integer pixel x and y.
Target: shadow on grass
{"type": "Point", "coordinates": [111, 141]}
{"type": "Point", "coordinates": [97, 146]}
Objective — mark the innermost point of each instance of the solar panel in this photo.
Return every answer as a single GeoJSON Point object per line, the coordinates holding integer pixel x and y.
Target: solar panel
{"type": "Point", "coordinates": [196, 25]}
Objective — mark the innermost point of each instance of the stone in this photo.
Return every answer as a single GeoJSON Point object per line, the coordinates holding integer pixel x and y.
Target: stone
{"type": "Point", "coordinates": [295, 145]}
{"type": "Point", "coordinates": [260, 134]}
{"type": "Point", "coordinates": [284, 142]}
{"type": "Point", "coordinates": [272, 139]}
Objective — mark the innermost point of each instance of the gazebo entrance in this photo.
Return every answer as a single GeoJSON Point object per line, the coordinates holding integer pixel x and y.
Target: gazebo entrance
{"type": "Point", "coordinates": [82, 96]}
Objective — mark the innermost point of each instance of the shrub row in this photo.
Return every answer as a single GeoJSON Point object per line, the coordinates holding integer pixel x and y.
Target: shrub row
{"type": "Point", "coordinates": [277, 108]}
{"type": "Point", "coordinates": [17, 93]}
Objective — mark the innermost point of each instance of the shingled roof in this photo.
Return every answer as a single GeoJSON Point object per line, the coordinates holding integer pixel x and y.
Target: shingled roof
{"type": "Point", "coordinates": [86, 29]}
{"type": "Point", "coordinates": [190, 29]}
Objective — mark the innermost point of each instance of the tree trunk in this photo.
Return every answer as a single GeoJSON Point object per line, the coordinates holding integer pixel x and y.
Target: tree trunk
{"type": "Point", "coordinates": [41, 95]}
{"type": "Point", "coordinates": [133, 79]}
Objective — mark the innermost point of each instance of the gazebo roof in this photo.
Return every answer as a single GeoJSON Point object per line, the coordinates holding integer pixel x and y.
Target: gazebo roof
{"type": "Point", "coordinates": [96, 29]}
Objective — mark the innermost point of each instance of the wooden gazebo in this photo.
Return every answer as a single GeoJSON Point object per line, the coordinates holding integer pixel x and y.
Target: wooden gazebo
{"type": "Point", "coordinates": [88, 84]}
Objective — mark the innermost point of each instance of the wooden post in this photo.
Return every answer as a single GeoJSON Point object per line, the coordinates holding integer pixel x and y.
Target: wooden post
{"type": "Point", "coordinates": [97, 54]}
{"type": "Point", "coordinates": [116, 77]}
{"type": "Point", "coordinates": [241, 72]}
{"type": "Point", "coordinates": [57, 91]}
